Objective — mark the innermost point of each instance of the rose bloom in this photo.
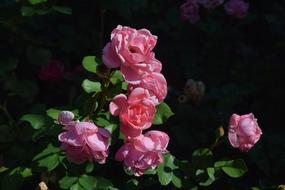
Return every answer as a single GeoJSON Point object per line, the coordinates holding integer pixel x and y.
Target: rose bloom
{"type": "Point", "coordinates": [131, 50]}
{"type": "Point", "coordinates": [211, 4]}
{"type": "Point", "coordinates": [84, 141]}
{"type": "Point", "coordinates": [136, 112]}
{"type": "Point", "coordinates": [190, 11]}
{"type": "Point", "coordinates": [143, 152]}
{"type": "Point", "coordinates": [237, 8]}
{"type": "Point", "coordinates": [156, 84]}
{"type": "Point", "coordinates": [52, 72]}
{"type": "Point", "coordinates": [243, 131]}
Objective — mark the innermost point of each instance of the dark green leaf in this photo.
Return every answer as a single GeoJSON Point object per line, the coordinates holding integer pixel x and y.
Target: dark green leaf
{"type": "Point", "coordinates": [66, 182]}
{"type": "Point", "coordinates": [62, 9]}
{"type": "Point", "coordinates": [36, 121]}
{"type": "Point", "coordinates": [89, 167]}
{"type": "Point", "coordinates": [202, 158]}
{"type": "Point", "coordinates": [233, 168]}
{"type": "Point", "coordinates": [88, 182]}
{"type": "Point", "coordinates": [163, 112]}
{"type": "Point", "coordinates": [27, 11]}
{"type": "Point", "coordinates": [48, 158]}
{"type": "Point", "coordinates": [34, 2]}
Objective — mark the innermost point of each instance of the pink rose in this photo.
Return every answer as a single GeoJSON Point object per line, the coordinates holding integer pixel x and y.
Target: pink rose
{"type": "Point", "coordinates": [243, 131]}
{"type": "Point", "coordinates": [190, 11]}
{"type": "Point", "coordinates": [85, 141]}
{"type": "Point", "coordinates": [131, 50]}
{"type": "Point", "coordinates": [143, 152]}
{"type": "Point", "coordinates": [136, 112]}
{"type": "Point", "coordinates": [52, 72]}
{"type": "Point", "coordinates": [211, 4]}
{"type": "Point", "coordinates": [156, 84]}
{"type": "Point", "coordinates": [237, 8]}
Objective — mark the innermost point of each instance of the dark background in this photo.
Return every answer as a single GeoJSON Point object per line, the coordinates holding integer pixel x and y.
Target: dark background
{"type": "Point", "coordinates": [240, 61]}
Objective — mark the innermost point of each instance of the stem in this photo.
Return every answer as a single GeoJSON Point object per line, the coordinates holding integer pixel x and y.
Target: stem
{"type": "Point", "coordinates": [4, 110]}
{"type": "Point", "coordinates": [101, 95]}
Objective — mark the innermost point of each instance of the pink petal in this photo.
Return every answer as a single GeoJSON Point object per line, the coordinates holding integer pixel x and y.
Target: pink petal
{"type": "Point", "coordinates": [117, 104]}
{"type": "Point", "coordinates": [110, 58]}
{"type": "Point", "coordinates": [131, 76]}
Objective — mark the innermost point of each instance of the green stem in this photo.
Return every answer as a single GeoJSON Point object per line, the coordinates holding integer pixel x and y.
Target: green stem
{"type": "Point", "coordinates": [101, 95]}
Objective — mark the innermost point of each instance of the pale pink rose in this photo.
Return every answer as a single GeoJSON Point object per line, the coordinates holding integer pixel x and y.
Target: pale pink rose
{"type": "Point", "coordinates": [136, 112]}
{"type": "Point", "coordinates": [131, 50]}
{"type": "Point", "coordinates": [52, 72]}
{"type": "Point", "coordinates": [211, 4]}
{"type": "Point", "coordinates": [237, 8]}
{"type": "Point", "coordinates": [84, 141]}
{"type": "Point", "coordinates": [243, 131]}
{"type": "Point", "coordinates": [143, 152]}
{"type": "Point", "coordinates": [156, 84]}
{"type": "Point", "coordinates": [190, 11]}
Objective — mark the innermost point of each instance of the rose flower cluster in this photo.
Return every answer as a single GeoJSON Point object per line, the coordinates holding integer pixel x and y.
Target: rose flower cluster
{"type": "Point", "coordinates": [130, 51]}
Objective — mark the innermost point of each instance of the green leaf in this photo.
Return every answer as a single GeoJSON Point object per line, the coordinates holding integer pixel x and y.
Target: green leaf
{"type": "Point", "coordinates": [66, 182]}
{"type": "Point", "coordinates": [36, 121]}
{"type": "Point", "coordinates": [27, 11]}
{"type": "Point", "coordinates": [89, 167]}
{"type": "Point", "coordinates": [53, 113]}
{"type": "Point", "coordinates": [88, 182]}
{"type": "Point", "coordinates": [177, 182]}
{"type": "Point", "coordinates": [116, 77]}
{"type": "Point", "coordinates": [103, 183]}
{"type": "Point", "coordinates": [211, 173]}
{"type": "Point", "coordinates": [233, 168]}
{"type": "Point", "coordinates": [165, 170]}
{"type": "Point", "coordinates": [34, 2]}
{"type": "Point", "coordinates": [48, 158]}
{"type": "Point", "coordinates": [76, 187]}
{"type": "Point", "coordinates": [62, 9]}
{"type": "Point", "coordinates": [164, 177]}
{"type": "Point", "coordinates": [90, 86]}
{"type": "Point", "coordinates": [202, 158]}
{"type": "Point", "coordinates": [163, 112]}
{"type": "Point", "coordinates": [89, 63]}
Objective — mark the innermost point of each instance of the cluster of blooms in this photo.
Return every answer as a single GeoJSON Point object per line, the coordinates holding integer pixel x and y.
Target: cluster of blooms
{"type": "Point", "coordinates": [190, 9]}
{"type": "Point", "coordinates": [243, 131]}
{"type": "Point", "coordinates": [131, 51]}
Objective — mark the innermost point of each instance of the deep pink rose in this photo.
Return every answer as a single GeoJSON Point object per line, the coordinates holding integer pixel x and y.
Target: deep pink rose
{"type": "Point", "coordinates": [136, 112]}
{"type": "Point", "coordinates": [237, 8]}
{"type": "Point", "coordinates": [156, 84]}
{"type": "Point", "coordinates": [243, 131]}
{"type": "Point", "coordinates": [143, 152]}
{"type": "Point", "coordinates": [211, 4]}
{"type": "Point", "coordinates": [190, 11]}
{"type": "Point", "coordinates": [131, 50]}
{"type": "Point", "coordinates": [85, 141]}
{"type": "Point", "coordinates": [52, 72]}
